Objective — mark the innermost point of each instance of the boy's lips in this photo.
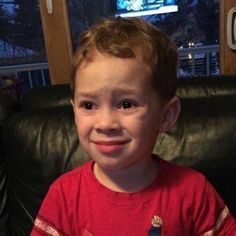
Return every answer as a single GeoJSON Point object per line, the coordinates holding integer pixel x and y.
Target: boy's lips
{"type": "Point", "coordinates": [109, 146]}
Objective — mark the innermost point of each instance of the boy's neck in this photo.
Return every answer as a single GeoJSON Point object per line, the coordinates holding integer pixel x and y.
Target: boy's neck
{"type": "Point", "coordinates": [131, 179]}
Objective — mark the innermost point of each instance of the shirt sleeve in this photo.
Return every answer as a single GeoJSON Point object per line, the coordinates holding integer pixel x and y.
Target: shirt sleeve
{"type": "Point", "coordinates": [211, 216]}
{"type": "Point", "coordinates": [54, 215]}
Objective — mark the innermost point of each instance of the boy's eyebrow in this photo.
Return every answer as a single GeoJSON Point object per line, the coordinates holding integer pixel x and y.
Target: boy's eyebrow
{"type": "Point", "coordinates": [87, 95]}
{"type": "Point", "coordinates": [95, 94]}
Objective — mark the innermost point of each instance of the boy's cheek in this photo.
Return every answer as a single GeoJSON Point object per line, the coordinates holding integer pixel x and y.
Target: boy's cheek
{"type": "Point", "coordinates": [83, 127]}
{"type": "Point", "coordinates": [79, 118]}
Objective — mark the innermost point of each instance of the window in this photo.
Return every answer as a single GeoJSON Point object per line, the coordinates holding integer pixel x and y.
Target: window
{"type": "Point", "coordinates": [194, 28]}
{"type": "Point", "coordinates": [21, 36]}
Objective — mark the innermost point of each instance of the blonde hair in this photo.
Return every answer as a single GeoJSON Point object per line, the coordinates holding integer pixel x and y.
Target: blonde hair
{"type": "Point", "coordinates": [122, 37]}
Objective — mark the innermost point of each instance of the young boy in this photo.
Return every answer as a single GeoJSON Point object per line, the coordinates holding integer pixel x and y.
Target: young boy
{"type": "Point", "coordinates": [123, 89]}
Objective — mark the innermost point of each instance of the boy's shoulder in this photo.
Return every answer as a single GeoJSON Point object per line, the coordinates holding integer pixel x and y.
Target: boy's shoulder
{"type": "Point", "coordinates": [72, 177]}
{"type": "Point", "coordinates": [166, 165]}
{"type": "Point", "coordinates": [175, 175]}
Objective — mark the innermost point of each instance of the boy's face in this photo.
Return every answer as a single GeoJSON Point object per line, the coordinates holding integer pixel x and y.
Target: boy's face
{"type": "Point", "coordinates": [117, 112]}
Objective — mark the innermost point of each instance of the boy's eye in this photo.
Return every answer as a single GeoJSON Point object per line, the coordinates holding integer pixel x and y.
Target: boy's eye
{"type": "Point", "coordinates": [87, 105]}
{"type": "Point", "coordinates": [127, 105]}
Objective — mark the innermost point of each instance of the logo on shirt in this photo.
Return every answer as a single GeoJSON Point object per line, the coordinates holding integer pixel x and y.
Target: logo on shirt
{"type": "Point", "coordinates": [157, 221]}
{"type": "Point", "coordinates": [156, 225]}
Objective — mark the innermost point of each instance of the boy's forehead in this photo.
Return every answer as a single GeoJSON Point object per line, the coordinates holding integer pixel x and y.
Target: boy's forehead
{"type": "Point", "coordinates": [96, 61]}
{"type": "Point", "coordinates": [108, 67]}
{"type": "Point", "coordinates": [95, 54]}
{"type": "Point", "coordinates": [107, 74]}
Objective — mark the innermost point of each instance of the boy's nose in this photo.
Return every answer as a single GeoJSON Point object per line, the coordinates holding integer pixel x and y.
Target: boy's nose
{"type": "Point", "coordinates": [107, 121]}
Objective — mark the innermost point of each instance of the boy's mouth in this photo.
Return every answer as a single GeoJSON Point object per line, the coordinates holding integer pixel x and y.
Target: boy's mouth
{"type": "Point", "coordinates": [110, 146]}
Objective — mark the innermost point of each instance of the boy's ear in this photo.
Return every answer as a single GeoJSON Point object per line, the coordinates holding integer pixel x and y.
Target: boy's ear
{"type": "Point", "coordinates": [170, 114]}
{"type": "Point", "coordinates": [73, 106]}
{"type": "Point", "coordinates": [72, 102]}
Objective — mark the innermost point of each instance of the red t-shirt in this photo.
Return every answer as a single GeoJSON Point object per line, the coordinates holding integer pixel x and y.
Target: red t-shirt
{"type": "Point", "coordinates": [78, 205]}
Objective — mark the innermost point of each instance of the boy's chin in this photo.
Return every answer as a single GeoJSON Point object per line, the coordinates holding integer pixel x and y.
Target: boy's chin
{"type": "Point", "coordinates": [111, 164]}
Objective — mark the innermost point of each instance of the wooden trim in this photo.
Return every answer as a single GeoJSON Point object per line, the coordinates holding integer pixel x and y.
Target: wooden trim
{"type": "Point", "coordinates": [57, 39]}
{"type": "Point", "coordinates": [227, 55]}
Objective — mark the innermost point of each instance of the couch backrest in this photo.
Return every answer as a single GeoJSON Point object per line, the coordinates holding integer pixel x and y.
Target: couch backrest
{"type": "Point", "coordinates": [201, 86]}
{"type": "Point", "coordinates": [57, 95]}
{"type": "Point", "coordinates": [194, 87]}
